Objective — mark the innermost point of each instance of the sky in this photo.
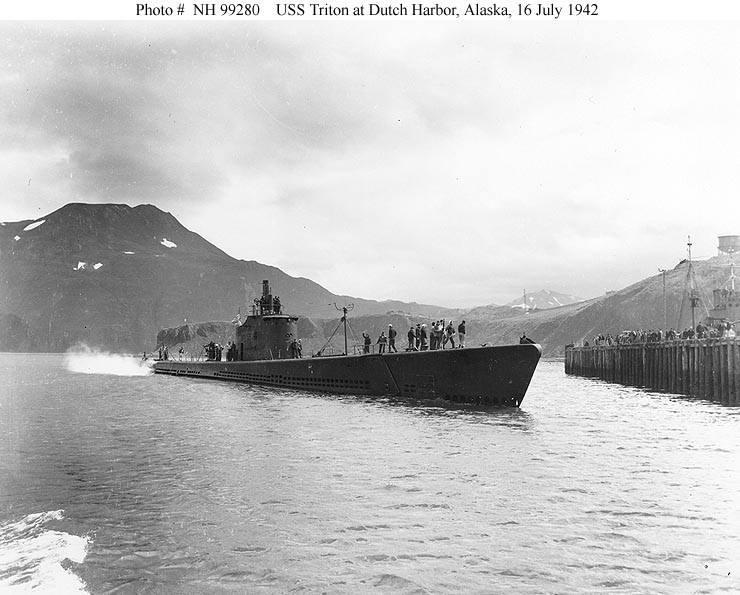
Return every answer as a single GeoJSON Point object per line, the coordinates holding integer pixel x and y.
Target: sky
{"type": "Point", "coordinates": [451, 163]}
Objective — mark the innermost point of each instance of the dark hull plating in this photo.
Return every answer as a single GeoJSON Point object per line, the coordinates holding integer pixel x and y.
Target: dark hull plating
{"type": "Point", "coordinates": [481, 375]}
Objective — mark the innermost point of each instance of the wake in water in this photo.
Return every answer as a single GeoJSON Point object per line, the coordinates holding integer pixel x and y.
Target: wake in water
{"type": "Point", "coordinates": [84, 360]}
{"type": "Point", "coordinates": [31, 556]}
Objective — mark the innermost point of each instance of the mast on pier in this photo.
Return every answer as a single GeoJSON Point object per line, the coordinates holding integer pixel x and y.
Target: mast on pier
{"type": "Point", "coordinates": [692, 296]}
{"type": "Point", "coordinates": [692, 290]}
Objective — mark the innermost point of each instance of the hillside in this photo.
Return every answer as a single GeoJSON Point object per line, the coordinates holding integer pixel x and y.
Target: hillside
{"type": "Point", "coordinates": [638, 306]}
{"type": "Point", "coordinates": [111, 276]}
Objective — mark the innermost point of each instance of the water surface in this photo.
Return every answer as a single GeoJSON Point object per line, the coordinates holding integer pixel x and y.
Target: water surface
{"type": "Point", "coordinates": [123, 483]}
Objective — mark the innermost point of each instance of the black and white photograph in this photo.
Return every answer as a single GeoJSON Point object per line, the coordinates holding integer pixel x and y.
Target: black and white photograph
{"type": "Point", "coordinates": [415, 297]}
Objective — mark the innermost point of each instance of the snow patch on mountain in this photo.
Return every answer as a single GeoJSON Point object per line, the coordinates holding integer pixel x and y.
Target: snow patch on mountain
{"type": "Point", "coordinates": [34, 225]}
{"type": "Point", "coordinates": [543, 300]}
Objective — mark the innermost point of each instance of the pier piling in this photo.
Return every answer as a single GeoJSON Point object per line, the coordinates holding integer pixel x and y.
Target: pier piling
{"type": "Point", "coordinates": [706, 368]}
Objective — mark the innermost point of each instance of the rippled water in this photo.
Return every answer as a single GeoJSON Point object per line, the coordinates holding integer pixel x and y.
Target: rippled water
{"type": "Point", "coordinates": [152, 483]}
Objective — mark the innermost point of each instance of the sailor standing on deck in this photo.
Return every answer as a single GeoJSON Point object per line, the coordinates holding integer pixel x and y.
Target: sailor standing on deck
{"type": "Point", "coordinates": [382, 342]}
{"type": "Point", "coordinates": [525, 340]}
{"type": "Point", "coordinates": [440, 337]}
{"type": "Point", "coordinates": [392, 339]}
{"type": "Point", "coordinates": [461, 334]}
{"type": "Point", "coordinates": [366, 342]}
{"type": "Point", "coordinates": [423, 338]}
{"type": "Point", "coordinates": [450, 334]}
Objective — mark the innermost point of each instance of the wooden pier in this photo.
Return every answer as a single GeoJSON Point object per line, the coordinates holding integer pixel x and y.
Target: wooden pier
{"type": "Point", "coordinates": [706, 368]}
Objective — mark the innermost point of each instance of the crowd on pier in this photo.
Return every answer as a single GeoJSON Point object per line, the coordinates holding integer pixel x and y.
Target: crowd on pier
{"type": "Point", "coordinates": [720, 330]}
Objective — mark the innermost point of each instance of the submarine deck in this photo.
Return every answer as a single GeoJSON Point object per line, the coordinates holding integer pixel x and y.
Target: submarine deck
{"type": "Point", "coordinates": [497, 375]}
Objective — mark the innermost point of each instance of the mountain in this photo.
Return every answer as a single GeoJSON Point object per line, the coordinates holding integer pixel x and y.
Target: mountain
{"type": "Point", "coordinates": [112, 276]}
{"type": "Point", "coordinates": [543, 300]}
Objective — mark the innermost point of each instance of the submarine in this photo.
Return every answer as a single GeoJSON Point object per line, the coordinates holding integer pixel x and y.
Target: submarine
{"type": "Point", "coordinates": [264, 353]}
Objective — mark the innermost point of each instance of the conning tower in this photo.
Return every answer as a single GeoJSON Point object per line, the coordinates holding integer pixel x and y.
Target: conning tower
{"type": "Point", "coordinates": [267, 333]}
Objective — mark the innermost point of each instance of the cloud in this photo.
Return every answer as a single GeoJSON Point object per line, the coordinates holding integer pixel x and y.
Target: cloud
{"type": "Point", "coordinates": [450, 164]}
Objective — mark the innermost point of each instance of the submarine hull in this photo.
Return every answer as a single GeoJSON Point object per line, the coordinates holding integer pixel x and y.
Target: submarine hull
{"type": "Point", "coordinates": [497, 375]}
